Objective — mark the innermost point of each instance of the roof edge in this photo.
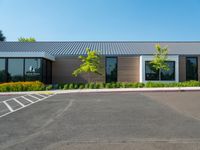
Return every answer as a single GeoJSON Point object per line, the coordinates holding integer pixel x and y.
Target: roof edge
{"type": "Point", "coordinates": [27, 54]}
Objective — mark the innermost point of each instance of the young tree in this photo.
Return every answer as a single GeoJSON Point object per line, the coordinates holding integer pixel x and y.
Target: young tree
{"type": "Point", "coordinates": [160, 58]}
{"type": "Point", "coordinates": [91, 63]}
{"type": "Point", "coordinates": [2, 37]}
{"type": "Point", "coordinates": [22, 39]}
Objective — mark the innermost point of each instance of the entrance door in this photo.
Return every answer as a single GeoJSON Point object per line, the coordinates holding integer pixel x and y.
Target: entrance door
{"type": "Point", "coordinates": [111, 69]}
{"type": "Point", "coordinates": [191, 68]}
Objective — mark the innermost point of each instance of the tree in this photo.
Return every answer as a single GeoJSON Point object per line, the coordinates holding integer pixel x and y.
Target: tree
{"type": "Point", "coordinates": [91, 63]}
{"type": "Point", "coordinates": [2, 37]}
{"type": "Point", "coordinates": [159, 61]}
{"type": "Point", "coordinates": [22, 39]}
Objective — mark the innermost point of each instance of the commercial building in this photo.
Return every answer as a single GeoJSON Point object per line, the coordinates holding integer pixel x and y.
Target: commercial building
{"type": "Point", "coordinates": [123, 61]}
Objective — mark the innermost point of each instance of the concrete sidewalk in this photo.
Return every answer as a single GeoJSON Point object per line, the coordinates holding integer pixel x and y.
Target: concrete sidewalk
{"type": "Point", "coordinates": [170, 89]}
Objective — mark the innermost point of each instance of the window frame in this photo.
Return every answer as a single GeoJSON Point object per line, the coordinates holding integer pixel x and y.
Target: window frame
{"type": "Point", "coordinates": [159, 71]}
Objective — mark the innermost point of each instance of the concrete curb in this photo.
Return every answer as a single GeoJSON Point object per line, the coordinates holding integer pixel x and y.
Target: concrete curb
{"type": "Point", "coordinates": [173, 89]}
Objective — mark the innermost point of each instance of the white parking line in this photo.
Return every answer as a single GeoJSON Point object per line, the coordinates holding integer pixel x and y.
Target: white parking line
{"type": "Point", "coordinates": [23, 106]}
{"type": "Point", "coordinates": [8, 106]}
{"type": "Point", "coordinates": [27, 99]}
{"type": "Point", "coordinates": [33, 96]}
{"type": "Point", "coordinates": [19, 102]}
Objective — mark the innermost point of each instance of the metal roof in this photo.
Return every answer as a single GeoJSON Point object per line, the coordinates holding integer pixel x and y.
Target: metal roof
{"type": "Point", "coordinates": [108, 48]}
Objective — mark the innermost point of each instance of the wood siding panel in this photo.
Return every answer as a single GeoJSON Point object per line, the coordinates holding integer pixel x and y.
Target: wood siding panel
{"type": "Point", "coordinates": [128, 69]}
{"type": "Point", "coordinates": [182, 68]}
{"type": "Point", "coordinates": [62, 70]}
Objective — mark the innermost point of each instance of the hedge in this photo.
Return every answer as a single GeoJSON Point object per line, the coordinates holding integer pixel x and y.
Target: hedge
{"type": "Point", "coordinates": [22, 86]}
{"type": "Point", "coordinates": [39, 86]}
{"type": "Point", "coordinates": [128, 85]}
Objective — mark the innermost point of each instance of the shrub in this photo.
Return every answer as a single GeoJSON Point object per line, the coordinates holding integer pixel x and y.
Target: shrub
{"type": "Point", "coordinates": [61, 86]}
{"type": "Point", "coordinates": [66, 86]}
{"type": "Point", "coordinates": [71, 86]}
{"type": "Point", "coordinates": [22, 86]}
{"type": "Point", "coordinates": [49, 87]}
{"type": "Point", "coordinates": [75, 86]}
{"type": "Point", "coordinates": [91, 85]}
{"type": "Point", "coordinates": [81, 86]}
{"type": "Point", "coordinates": [87, 85]}
{"type": "Point", "coordinates": [108, 85]}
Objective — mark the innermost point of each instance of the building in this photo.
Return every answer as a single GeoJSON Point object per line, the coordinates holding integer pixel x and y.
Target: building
{"type": "Point", "coordinates": [124, 61]}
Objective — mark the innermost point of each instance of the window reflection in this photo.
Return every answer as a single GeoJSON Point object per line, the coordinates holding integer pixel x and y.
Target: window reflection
{"type": "Point", "coordinates": [111, 69]}
{"type": "Point", "coordinates": [166, 75]}
{"type": "Point", "coordinates": [32, 69]}
{"type": "Point", "coordinates": [2, 70]}
{"type": "Point", "coordinates": [150, 72]}
{"type": "Point", "coordinates": [169, 74]}
{"type": "Point", "coordinates": [15, 69]}
{"type": "Point", "coordinates": [191, 68]}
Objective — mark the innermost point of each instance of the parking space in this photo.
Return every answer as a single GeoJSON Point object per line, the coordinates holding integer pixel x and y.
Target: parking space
{"type": "Point", "coordinates": [8, 96]}
{"type": "Point", "coordinates": [111, 121]}
{"type": "Point", "coordinates": [13, 103]}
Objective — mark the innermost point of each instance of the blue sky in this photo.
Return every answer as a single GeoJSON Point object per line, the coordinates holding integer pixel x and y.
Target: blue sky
{"type": "Point", "coordinates": [92, 20]}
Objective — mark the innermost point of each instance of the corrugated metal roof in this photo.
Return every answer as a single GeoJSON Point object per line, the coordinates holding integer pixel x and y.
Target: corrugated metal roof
{"type": "Point", "coordinates": [104, 47]}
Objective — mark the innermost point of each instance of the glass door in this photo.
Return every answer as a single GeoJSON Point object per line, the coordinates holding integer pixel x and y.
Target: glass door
{"type": "Point", "coordinates": [111, 69]}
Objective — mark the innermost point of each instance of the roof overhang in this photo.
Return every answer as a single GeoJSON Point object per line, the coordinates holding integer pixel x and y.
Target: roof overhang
{"type": "Point", "coordinates": [27, 54]}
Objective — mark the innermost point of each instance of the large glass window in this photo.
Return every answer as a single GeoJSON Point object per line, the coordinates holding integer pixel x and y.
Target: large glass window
{"type": "Point", "coordinates": [15, 69]}
{"type": "Point", "coordinates": [152, 75]}
{"type": "Point", "coordinates": [2, 70]}
{"type": "Point", "coordinates": [25, 69]}
{"type": "Point", "coordinates": [191, 68]}
{"type": "Point", "coordinates": [111, 69]}
{"type": "Point", "coordinates": [169, 74]}
{"type": "Point", "coordinates": [150, 72]}
{"type": "Point", "coordinates": [32, 69]}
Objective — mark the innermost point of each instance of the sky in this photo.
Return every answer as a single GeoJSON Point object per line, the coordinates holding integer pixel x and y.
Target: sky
{"type": "Point", "coordinates": [101, 20]}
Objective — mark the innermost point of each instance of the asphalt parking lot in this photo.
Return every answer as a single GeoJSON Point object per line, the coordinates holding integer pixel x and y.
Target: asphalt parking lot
{"type": "Point", "coordinates": [132, 120]}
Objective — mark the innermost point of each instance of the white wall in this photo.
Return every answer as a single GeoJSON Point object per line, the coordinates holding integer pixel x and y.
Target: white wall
{"type": "Point", "coordinates": [144, 58]}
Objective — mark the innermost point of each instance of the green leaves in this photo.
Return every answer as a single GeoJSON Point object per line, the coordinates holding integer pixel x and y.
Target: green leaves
{"type": "Point", "coordinates": [160, 58]}
{"type": "Point", "coordinates": [90, 63]}
{"type": "Point", "coordinates": [22, 39]}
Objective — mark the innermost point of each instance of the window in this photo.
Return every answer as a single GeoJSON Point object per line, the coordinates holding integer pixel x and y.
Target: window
{"type": "Point", "coordinates": [150, 72]}
{"type": "Point", "coordinates": [191, 68]}
{"type": "Point", "coordinates": [2, 70]}
{"type": "Point", "coordinates": [169, 75]}
{"type": "Point", "coordinates": [49, 71]}
{"type": "Point", "coordinates": [111, 69]}
{"type": "Point", "coordinates": [15, 69]}
{"type": "Point", "coordinates": [32, 69]}
{"type": "Point", "coordinates": [153, 75]}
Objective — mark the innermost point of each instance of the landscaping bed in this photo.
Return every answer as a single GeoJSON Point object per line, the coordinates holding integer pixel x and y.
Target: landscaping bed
{"type": "Point", "coordinates": [39, 86]}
